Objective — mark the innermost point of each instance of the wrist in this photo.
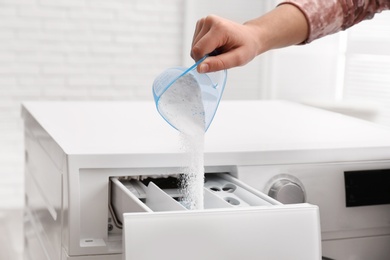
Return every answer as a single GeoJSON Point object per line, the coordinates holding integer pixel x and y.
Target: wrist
{"type": "Point", "coordinates": [260, 35]}
{"type": "Point", "coordinates": [283, 26]}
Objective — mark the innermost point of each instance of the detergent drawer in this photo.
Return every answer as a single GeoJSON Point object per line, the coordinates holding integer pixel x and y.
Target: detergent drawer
{"type": "Point", "coordinates": [238, 222]}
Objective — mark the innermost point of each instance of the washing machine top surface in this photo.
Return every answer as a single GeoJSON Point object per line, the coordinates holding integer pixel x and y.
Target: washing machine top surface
{"type": "Point", "coordinates": [242, 131]}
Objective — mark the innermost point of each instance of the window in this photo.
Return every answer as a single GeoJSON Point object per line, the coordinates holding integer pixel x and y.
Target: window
{"type": "Point", "coordinates": [367, 65]}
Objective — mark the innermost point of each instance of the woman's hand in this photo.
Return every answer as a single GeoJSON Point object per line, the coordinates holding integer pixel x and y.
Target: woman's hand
{"type": "Point", "coordinates": [235, 43]}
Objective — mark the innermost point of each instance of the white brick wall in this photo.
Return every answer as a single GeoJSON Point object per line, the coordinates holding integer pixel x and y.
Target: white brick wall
{"type": "Point", "coordinates": [77, 49]}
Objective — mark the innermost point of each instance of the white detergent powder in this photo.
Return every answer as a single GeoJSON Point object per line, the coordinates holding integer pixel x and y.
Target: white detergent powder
{"type": "Point", "coordinates": [182, 106]}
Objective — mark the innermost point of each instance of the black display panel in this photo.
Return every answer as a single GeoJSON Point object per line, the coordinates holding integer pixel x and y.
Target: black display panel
{"type": "Point", "coordinates": [369, 187]}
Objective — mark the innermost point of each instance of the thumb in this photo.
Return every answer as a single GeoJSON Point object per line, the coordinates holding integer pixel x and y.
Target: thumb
{"type": "Point", "coordinates": [211, 64]}
{"type": "Point", "coordinates": [223, 61]}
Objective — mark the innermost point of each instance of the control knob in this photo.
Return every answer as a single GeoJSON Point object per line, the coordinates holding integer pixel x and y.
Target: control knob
{"type": "Point", "coordinates": [287, 191]}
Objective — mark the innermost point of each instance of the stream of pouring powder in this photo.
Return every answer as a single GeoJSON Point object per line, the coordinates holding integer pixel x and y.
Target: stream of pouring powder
{"type": "Point", "coordinates": [183, 108]}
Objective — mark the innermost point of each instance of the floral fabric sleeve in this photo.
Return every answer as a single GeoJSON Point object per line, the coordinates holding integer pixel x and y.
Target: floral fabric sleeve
{"type": "Point", "coordinates": [330, 16]}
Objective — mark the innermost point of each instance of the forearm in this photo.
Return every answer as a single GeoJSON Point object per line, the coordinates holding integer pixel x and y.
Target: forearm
{"type": "Point", "coordinates": [330, 16]}
{"type": "Point", "coordinates": [292, 22]}
{"type": "Point", "coordinates": [284, 26]}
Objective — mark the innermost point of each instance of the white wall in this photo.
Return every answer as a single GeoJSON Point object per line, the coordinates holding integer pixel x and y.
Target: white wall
{"type": "Point", "coordinates": [347, 72]}
{"type": "Point", "coordinates": [113, 49]}
{"type": "Point", "coordinates": [307, 72]}
{"type": "Point", "coordinates": [77, 49]}
{"type": "Point", "coordinates": [95, 50]}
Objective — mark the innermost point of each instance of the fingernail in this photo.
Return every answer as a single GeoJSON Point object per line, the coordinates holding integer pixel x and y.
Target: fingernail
{"type": "Point", "coordinates": [204, 67]}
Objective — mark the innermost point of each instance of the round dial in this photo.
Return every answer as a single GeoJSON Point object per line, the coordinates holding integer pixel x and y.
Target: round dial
{"type": "Point", "coordinates": [287, 190]}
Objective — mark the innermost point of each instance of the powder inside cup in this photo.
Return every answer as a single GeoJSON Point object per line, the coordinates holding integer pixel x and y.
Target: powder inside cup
{"type": "Point", "coordinates": [182, 106]}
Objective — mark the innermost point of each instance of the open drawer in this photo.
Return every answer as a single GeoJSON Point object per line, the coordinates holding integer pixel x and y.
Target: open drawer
{"type": "Point", "coordinates": [238, 222]}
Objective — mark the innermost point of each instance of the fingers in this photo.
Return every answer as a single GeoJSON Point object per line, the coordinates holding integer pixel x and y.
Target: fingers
{"type": "Point", "coordinates": [234, 42]}
{"type": "Point", "coordinates": [206, 45]}
{"type": "Point", "coordinates": [197, 32]}
{"type": "Point", "coordinates": [206, 38]}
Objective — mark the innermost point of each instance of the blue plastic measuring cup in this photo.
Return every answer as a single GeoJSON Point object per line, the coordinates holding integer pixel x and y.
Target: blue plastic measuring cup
{"type": "Point", "coordinates": [211, 87]}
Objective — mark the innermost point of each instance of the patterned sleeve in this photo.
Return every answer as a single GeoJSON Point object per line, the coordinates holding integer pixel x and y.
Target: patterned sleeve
{"type": "Point", "coordinates": [329, 16]}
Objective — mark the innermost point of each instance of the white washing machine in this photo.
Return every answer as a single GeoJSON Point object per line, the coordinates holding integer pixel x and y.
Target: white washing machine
{"type": "Point", "coordinates": [101, 184]}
